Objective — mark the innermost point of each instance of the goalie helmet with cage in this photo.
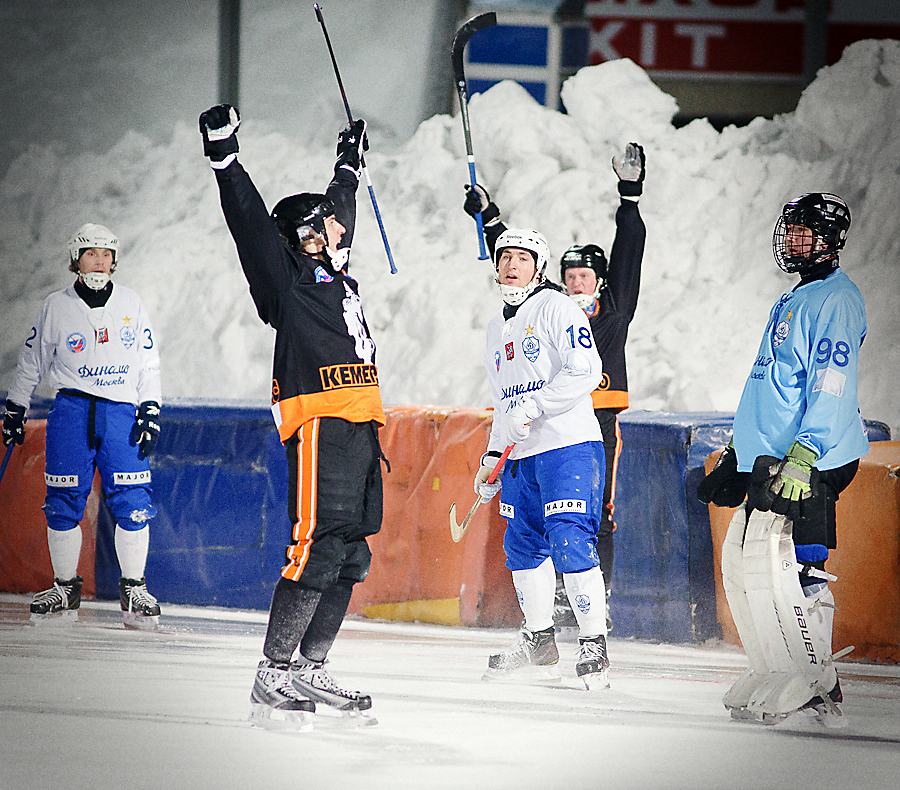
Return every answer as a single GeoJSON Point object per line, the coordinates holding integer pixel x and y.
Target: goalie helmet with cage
{"type": "Point", "coordinates": [826, 216]}
{"type": "Point", "coordinates": [531, 241]}
{"type": "Point", "coordinates": [300, 218]}
{"type": "Point", "coordinates": [92, 236]}
{"type": "Point", "coordinates": [585, 256]}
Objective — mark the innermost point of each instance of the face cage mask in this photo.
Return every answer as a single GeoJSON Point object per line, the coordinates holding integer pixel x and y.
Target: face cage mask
{"type": "Point", "coordinates": [96, 281]}
{"type": "Point", "coordinates": [794, 263]}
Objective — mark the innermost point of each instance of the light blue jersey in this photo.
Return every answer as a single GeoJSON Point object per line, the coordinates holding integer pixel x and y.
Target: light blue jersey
{"type": "Point", "coordinates": [803, 383]}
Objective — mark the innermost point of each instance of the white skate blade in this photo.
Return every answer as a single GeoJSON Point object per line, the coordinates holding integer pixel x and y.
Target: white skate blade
{"type": "Point", "coordinates": [67, 616]}
{"type": "Point", "coordinates": [528, 673]}
{"type": "Point", "coordinates": [268, 718]}
{"type": "Point", "coordinates": [596, 681]}
{"type": "Point", "coordinates": [139, 622]}
{"type": "Point", "coordinates": [350, 718]}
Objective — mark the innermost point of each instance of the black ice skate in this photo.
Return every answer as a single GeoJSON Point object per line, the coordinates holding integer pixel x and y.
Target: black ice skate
{"type": "Point", "coordinates": [593, 665]}
{"type": "Point", "coordinates": [534, 651]}
{"type": "Point", "coordinates": [275, 703]}
{"type": "Point", "coordinates": [312, 681]}
{"type": "Point", "coordinates": [139, 608]}
{"type": "Point", "coordinates": [826, 708]}
{"type": "Point", "coordinates": [63, 599]}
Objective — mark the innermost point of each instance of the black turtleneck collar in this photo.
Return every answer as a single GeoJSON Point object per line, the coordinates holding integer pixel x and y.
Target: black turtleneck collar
{"type": "Point", "coordinates": [91, 297]}
{"type": "Point", "coordinates": [818, 272]}
{"type": "Point", "coordinates": [509, 310]}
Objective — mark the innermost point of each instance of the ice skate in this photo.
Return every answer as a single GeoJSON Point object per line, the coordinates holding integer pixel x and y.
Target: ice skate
{"type": "Point", "coordinates": [534, 651]}
{"type": "Point", "coordinates": [826, 708]}
{"type": "Point", "coordinates": [593, 665]}
{"type": "Point", "coordinates": [139, 609]}
{"type": "Point", "coordinates": [275, 703]}
{"type": "Point", "coordinates": [62, 600]}
{"type": "Point", "coordinates": [311, 680]}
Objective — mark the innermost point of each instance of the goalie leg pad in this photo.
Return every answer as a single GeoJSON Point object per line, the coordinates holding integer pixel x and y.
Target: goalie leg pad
{"type": "Point", "coordinates": [794, 631]}
{"type": "Point", "coordinates": [738, 696]}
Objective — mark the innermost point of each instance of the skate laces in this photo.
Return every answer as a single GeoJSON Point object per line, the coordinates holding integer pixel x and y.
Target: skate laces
{"type": "Point", "coordinates": [317, 677]}
{"type": "Point", "coordinates": [139, 597]}
{"type": "Point", "coordinates": [54, 594]}
{"type": "Point", "coordinates": [592, 649]}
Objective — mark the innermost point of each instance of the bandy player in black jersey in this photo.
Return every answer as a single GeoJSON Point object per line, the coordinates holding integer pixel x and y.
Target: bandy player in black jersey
{"type": "Point", "coordinates": [327, 406]}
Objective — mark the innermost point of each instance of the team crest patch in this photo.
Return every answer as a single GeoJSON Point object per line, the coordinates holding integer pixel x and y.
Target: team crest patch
{"type": "Point", "coordinates": [102, 335]}
{"type": "Point", "coordinates": [507, 510]}
{"type": "Point", "coordinates": [565, 506]}
{"type": "Point", "coordinates": [583, 602]}
{"type": "Point", "coordinates": [76, 342]}
{"type": "Point", "coordinates": [531, 346]}
{"type": "Point", "coordinates": [497, 359]}
{"type": "Point", "coordinates": [126, 335]}
{"type": "Point", "coordinates": [510, 351]}
{"type": "Point", "coordinates": [781, 333]}
{"type": "Point", "coordinates": [322, 276]}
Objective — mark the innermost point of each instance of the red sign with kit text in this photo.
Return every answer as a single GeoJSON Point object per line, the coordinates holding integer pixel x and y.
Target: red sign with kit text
{"type": "Point", "coordinates": [724, 37]}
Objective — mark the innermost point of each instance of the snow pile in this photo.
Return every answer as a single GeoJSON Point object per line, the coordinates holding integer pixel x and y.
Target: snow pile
{"type": "Point", "coordinates": [710, 203]}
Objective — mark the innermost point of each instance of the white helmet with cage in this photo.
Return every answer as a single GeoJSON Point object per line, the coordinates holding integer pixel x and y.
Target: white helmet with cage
{"type": "Point", "coordinates": [533, 242]}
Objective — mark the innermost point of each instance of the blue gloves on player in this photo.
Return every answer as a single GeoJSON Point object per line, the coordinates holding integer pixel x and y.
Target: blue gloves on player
{"type": "Point", "coordinates": [219, 126]}
{"type": "Point", "coordinates": [13, 424]}
{"type": "Point", "coordinates": [145, 431]}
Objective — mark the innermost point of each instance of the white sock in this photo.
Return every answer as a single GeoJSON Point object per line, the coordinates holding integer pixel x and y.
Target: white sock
{"type": "Point", "coordinates": [587, 595]}
{"type": "Point", "coordinates": [535, 590]}
{"type": "Point", "coordinates": [65, 549]}
{"type": "Point", "coordinates": [131, 549]}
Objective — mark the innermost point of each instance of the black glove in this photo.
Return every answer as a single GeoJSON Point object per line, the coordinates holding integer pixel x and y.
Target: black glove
{"type": "Point", "coordinates": [219, 126]}
{"type": "Point", "coordinates": [145, 430]}
{"type": "Point", "coordinates": [759, 492]}
{"type": "Point", "coordinates": [724, 486]}
{"type": "Point", "coordinates": [630, 168]}
{"type": "Point", "coordinates": [13, 424]}
{"type": "Point", "coordinates": [478, 199]}
{"type": "Point", "coordinates": [352, 141]}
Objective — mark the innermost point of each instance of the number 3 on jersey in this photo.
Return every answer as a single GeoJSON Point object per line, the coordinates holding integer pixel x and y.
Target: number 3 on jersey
{"type": "Point", "coordinates": [584, 336]}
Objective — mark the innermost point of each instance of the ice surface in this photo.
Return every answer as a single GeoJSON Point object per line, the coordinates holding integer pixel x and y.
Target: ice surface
{"type": "Point", "coordinates": [91, 705]}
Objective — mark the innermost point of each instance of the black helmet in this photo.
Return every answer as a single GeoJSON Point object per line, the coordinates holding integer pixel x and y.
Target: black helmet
{"type": "Point", "coordinates": [826, 215]}
{"type": "Point", "coordinates": [301, 217]}
{"type": "Point", "coordinates": [588, 256]}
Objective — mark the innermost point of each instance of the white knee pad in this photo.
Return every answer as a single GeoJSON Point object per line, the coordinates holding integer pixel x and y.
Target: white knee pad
{"type": "Point", "coordinates": [587, 595]}
{"type": "Point", "coordinates": [535, 589]}
{"type": "Point", "coordinates": [791, 659]}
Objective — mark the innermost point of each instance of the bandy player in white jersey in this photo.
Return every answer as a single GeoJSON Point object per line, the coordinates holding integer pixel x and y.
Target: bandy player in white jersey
{"type": "Point", "coordinates": [95, 342]}
{"type": "Point", "coordinates": [542, 365]}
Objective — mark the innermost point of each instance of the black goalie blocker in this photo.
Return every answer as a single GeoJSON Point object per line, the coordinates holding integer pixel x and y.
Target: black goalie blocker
{"type": "Point", "coordinates": [300, 218]}
{"type": "Point", "coordinates": [826, 215]}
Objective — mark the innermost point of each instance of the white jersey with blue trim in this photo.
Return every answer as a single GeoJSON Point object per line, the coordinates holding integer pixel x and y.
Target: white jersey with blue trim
{"type": "Point", "coordinates": [803, 386]}
{"type": "Point", "coordinates": [107, 351]}
{"type": "Point", "coordinates": [545, 350]}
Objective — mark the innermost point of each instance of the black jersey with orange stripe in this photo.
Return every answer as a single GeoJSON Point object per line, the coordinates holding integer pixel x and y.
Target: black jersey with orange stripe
{"type": "Point", "coordinates": [324, 363]}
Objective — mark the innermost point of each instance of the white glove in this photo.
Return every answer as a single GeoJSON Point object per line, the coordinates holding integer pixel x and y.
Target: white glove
{"type": "Point", "coordinates": [519, 418]}
{"type": "Point", "coordinates": [487, 491]}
